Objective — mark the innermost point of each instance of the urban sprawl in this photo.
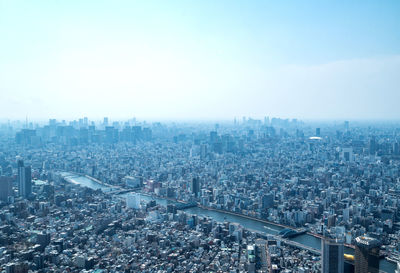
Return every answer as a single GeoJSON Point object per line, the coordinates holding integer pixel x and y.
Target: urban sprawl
{"type": "Point", "coordinates": [322, 197]}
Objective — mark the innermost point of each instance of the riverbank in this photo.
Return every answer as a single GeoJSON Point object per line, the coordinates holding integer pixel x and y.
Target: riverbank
{"type": "Point", "coordinates": [319, 236]}
{"type": "Point", "coordinates": [246, 216]}
{"type": "Point", "coordinates": [282, 226]}
{"type": "Point", "coordinates": [248, 222]}
{"type": "Point", "coordinates": [101, 182]}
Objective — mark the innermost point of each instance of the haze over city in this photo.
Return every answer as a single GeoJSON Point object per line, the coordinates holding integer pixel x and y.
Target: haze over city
{"type": "Point", "coordinates": [199, 60]}
{"type": "Point", "coordinates": [199, 136]}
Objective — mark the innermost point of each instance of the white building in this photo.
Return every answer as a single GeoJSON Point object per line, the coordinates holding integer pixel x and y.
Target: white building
{"type": "Point", "coordinates": [347, 154]}
{"type": "Point", "coordinates": [133, 201]}
{"type": "Point", "coordinates": [133, 182]}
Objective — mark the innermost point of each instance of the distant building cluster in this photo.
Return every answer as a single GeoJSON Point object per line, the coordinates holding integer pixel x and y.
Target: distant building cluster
{"type": "Point", "coordinates": [81, 132]}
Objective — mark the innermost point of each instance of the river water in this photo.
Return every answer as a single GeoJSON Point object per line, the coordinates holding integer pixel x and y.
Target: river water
{"type": "Point", "coordinates": [218, 216]}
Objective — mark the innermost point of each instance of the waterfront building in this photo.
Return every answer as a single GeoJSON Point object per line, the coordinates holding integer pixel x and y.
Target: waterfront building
{"type": "Point", "coordinates": [332, 256]}
{"type": "Point", "coordinates": [367, 255]}
{"type": "Point", "coordinates": [133, 201]}
{"type": "Point", "coordinates": [133, 182]}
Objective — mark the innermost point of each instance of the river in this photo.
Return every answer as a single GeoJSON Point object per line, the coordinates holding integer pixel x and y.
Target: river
{"type": "Point", "coordinates": [218, 216]}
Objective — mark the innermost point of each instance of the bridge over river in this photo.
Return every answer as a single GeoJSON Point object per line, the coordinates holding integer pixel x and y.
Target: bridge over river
{"type": "Point", "coordinates": [304, 241]}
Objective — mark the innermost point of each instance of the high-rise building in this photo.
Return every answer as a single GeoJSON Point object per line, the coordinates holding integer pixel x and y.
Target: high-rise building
{"type": "Point", "coordinates": [318, 132]}
{"type": "Point", "coordinates": [111, 134]}
{"type": "Point", "coordinates": [332, 256]}
{"type": "Point", "coordinates": [195, 186]}
{"type": "Point", "coordinates": [24, 179]}
{"type": "Point", "coordinates": [346, 214]}
{"type": "Point", "coordinates": [203, 151]}
{"type": "Point", "coordinates": [5, 188]}
{"type": "Point", "coordinates": [347, 154]}
{"type": "Point", "coordinates": [367, 255]}
{"type": "Point", "coordinates": [396, 148]}
{"type": "Point", "coordinates": [372, 146]}
{"type": "Point", "coordinates": [213, 137]}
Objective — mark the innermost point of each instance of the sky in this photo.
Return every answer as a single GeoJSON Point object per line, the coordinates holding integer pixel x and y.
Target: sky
{"type": "Point", "coordinates": [197, 60]}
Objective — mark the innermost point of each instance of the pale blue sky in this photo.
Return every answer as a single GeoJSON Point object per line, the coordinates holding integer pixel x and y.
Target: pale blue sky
{"type": "Point", "coordinates": [200, 59]}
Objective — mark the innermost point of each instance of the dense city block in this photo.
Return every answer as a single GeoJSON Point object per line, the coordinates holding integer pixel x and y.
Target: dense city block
{"type": "Point", "coordinates": [323, 196]}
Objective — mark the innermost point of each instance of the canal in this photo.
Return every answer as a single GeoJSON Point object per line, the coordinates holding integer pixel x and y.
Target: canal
{"type": "Point", "coordinates": [219, 216]}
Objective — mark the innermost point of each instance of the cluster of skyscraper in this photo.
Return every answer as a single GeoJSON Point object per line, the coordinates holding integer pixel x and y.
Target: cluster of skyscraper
{"type": "Point", "coordinates": [24, 182]}
{"type": "Point", "coordinates": [366, 258]}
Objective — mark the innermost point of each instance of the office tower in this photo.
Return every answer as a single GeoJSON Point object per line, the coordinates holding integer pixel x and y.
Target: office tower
{"type": "Point", "coordinates": [332, 256]}
{"type": "Point", "coordinates": [195, 186]}
{"type": "Point", "coordinates": [203, 151]}
{"type": "Point", "coordinates": [24, 179]}
{"type": "Point", "coordinates": [218, 147]}
{"type": "Point", "coordinates": [318, 132]}
{"type": "Point", "coordinates": [331, 220]}
{"type": "Point", "coordinates": [105, 121]}
{"type": "Point", "coordinates": [347, 154]}
{"type": "Point", "coordinates": [5, 188]}
{"type": "Point", "coordinates": [372, 146]}
{"type": "Point", "coordinates": [111, 134]}
{"type": "Point", "coordinates": [346, 214]}
{"type": "Point", "coordinates": [367, 255]}
{"type": "Point", "coordinates": [396, 148]}
{"type": "Point", "coordinates": [213, 137]}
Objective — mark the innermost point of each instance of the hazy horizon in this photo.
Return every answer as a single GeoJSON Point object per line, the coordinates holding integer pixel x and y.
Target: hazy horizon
{"type": "Point", "coordinates": [175, 60]}
{"type": "Point", "coordinates": [239, 121]}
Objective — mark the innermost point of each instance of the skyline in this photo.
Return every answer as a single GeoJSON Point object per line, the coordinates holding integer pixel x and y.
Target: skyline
{"type": "Point", "coordinates": [200, 61]}
{"type": "Point", "coordinates": [315, 192]}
